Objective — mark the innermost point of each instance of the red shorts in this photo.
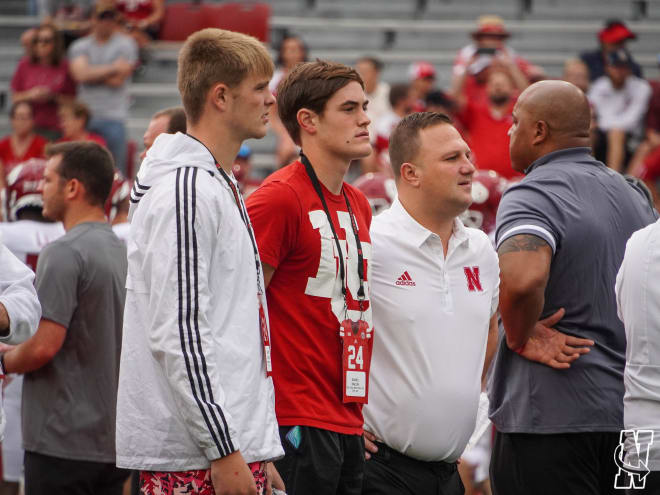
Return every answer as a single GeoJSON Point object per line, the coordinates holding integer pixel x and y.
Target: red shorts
{"type": "Point", "coordinates": [196, 482]}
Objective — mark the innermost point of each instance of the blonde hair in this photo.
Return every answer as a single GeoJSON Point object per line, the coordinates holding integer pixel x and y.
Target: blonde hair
{"type": "Point", "coordinates": [212, 56]}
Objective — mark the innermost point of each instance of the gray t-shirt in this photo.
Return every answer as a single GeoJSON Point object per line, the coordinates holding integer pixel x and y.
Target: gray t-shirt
{"type": "Point", "coordinates": [69, 404]}
{"type": "Point", "coordinates": [586, 212]}
{"type": "Point", "coordinates": [104, 101]}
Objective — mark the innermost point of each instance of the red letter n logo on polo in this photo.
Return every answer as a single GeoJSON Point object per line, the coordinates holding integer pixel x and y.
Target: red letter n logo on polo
{"type": "Point", "coordinates": [472, 276]}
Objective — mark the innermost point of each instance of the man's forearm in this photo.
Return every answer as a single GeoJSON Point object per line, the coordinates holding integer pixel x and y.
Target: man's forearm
{"type": "Point", "coordinates": [524, 270]}
{"type": "Point", "coordinates": [94, 74]}
{"type": "Point", "coordinates": [24, 358]}
{"type": "Point", "coordinates": [520, 312]}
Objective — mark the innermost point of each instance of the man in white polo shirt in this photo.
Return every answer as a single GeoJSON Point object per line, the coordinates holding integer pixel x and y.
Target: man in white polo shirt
{"type": "Point", "coordinates": [638, 303]}
{"type": "Point", "coordinates": [435, 287]}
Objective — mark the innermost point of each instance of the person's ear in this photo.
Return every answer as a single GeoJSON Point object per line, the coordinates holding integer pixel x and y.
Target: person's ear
{"type": "Point", "coordinates": [307, 120]}
{"type": "Point", "coordinates": [541, 132]}
{"type": "Point", "coordinates": [219, 96]}
{"type": "Point", "coordinates": [410, 174]}
{"type": "Point", "coordinates": [73, 189]}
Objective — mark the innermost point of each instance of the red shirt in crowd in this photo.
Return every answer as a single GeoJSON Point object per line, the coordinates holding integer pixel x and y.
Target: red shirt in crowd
{"type": "Point", "coordinates": [487, 136]}
{"type": "Point", "coordinates": [90, 137]}
{"type": "Point", "coordinates": [55, 78]}
{"type": "Point", "coordinates": [10, 160]}
{"type": "Point", "coordinates": [304, 296]}
{"type": "Point", "coordinates": [135, 10]}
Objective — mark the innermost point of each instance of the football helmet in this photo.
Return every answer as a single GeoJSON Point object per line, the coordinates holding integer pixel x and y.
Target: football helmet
{"type": "Point", "coordinates": [24, 187]}
{"type": "Point", "coordinates": [119, 191]}
{"type": "Point", "coordinates": [487, 189]}
{"type": "Point", "coordinates": [379, 189]}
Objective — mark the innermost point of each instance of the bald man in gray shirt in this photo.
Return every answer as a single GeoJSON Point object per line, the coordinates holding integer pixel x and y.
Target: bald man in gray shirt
{"type": "Point", "coordinates": [557, 393]}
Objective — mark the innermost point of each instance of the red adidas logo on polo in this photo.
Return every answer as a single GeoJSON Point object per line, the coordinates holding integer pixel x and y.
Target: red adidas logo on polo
{"type": "Point", "coordinates": [405, 279]}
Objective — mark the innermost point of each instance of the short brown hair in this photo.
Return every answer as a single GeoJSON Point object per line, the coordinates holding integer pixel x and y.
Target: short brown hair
{"type": "Point", "coordinates": [78, 109]}
{"type": "Point", "coordinates": [310, 85]}
{"type": "Point", "coordinates": [88, 162]}
{"type": "Point", "coordinates": [404, 140]}
{"type": "Point", "coordinates": [177, 116]}
{"type": "Point", "coordinates": [212, 56]}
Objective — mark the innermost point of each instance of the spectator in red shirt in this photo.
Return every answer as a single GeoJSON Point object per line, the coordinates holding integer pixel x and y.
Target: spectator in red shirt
{"type": "Point", "coordinates": [74, 117]}
{"type": "Point", "coordinates": [489, 44]}
{"type": "Point", "coordinates": [646, 161]}
{"type": "Point", "coordinates": [23, 143]}
{"type": "Point", "coordinates": [422, 81]}
{"type": "Point", "coordinates": [43, 79]}
{"type": "Point", "coordinates": [315, 252]}
{"type": "Point", "coordinates": [487, 124]}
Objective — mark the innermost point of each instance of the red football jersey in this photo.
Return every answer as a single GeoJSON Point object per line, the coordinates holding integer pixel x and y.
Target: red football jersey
{"type": "Point", "coordinates": [305, 301]}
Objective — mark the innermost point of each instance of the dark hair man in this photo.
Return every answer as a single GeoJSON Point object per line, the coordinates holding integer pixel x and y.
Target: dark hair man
{"type": "Point", "coordinates": [316, 251]}
{"type": "Point", "coordinates": [72, 362]}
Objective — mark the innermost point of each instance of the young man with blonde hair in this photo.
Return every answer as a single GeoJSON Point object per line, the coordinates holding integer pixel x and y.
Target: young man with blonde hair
{"type": "Point", "coordinates": [316, 251]}
{"type": "Point", "coordinates": [196, 407]}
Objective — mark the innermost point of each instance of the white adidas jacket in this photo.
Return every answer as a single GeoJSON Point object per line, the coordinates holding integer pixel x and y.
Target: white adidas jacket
{"type": "Point", "coordinates": [192, 381]}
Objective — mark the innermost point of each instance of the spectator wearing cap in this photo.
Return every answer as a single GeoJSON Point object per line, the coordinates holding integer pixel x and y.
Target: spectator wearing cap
{"type": "Point", "coordinates": [422, 81]}
{"type": "Point", "coordinates": [102, 64]}
{"type": "Point", "coordinates": [612, 37]}
{"type": "Point", "coordinates": [488, 44]}
{"type": "Point", "coordinates": [376, 91]}
{"type": "Point", "coordinates": [620, 100]}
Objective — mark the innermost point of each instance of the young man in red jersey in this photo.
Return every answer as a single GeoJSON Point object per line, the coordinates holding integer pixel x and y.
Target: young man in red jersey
{"type": "Point", "coordinates": [316, 251]}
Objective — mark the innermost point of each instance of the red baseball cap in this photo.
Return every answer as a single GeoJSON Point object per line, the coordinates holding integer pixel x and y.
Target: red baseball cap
{"type": "Point", "coordinates": [615, 32]}
{"type": "Point", "coordinates": [421, 70]}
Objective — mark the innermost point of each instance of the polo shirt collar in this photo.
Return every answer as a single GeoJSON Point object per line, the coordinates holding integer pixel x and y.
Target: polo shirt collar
{"type": "Point", "coordinates": [568, 154]}
{"type": "Point", "coordinates": [418, 234]}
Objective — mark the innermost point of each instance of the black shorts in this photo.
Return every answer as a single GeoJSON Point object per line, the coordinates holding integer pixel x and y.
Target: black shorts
{"type": "Point", "coordinates": [321, 462]}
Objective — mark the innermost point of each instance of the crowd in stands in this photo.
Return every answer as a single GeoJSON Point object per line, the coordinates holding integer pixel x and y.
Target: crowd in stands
{"type": "Point", "coordinates": [78, 64]}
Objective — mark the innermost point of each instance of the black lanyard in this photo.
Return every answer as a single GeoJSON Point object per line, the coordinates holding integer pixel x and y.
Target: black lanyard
{"type": "Point", "coordinates": [242, 211]}
{"type": "Point", "coordinates": [319, 191]}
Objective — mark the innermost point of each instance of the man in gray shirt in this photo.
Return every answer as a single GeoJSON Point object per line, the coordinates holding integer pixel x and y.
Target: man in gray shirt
{"type": "Point", "coordinates": [72, 362]}
{"type": "Point", "coordinates": [102, 64]}
{"type": "Point", "coordinates": [556, 395]}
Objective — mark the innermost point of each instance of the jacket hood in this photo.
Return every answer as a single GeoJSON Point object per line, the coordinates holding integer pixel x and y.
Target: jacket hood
{"type": "Point", "coordinates": [168, 153]}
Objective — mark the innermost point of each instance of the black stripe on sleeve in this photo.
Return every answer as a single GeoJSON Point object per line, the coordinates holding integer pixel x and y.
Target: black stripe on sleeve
{"type": "Point", "coordinates": [184, 292]}
{"type": "Point", "coordinates": [196, 321]}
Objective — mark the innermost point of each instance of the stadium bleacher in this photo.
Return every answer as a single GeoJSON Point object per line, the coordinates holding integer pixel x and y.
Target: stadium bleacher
{"type": "Point", "coordinates": [397, 31]}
